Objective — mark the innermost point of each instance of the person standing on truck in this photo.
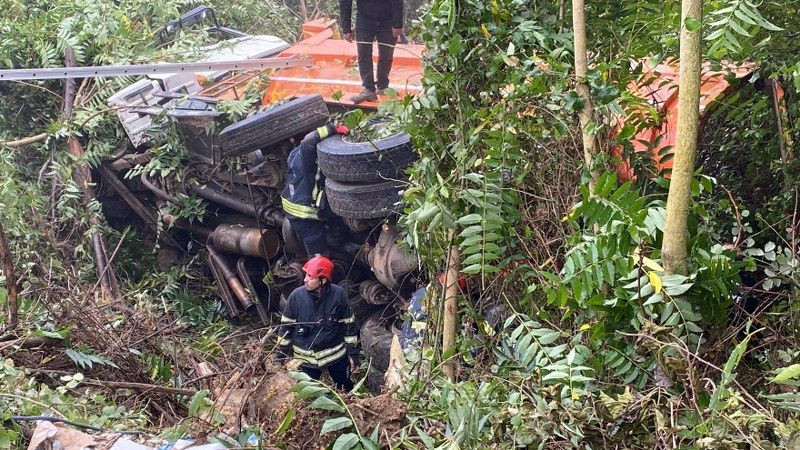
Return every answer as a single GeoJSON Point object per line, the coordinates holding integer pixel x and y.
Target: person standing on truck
{"type": "Point", "coordinates": [380, 20]}
{"type": "Point", "coordinates": [305, 187]}
{"type": "Point", "coordinates": [318, 327]}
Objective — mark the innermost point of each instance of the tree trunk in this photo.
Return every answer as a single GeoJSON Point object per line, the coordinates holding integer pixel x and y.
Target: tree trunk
{"type": "Point", "coordinates": [674, 250]}
{"type": "Point", "coordinates": [450, 318]}
{"type": "Point", "coordinates": [11, 280]}
{"type": "Point", "coordinates": [586, 115]}
{"type": "Point", "coordinates": [303, 11]}
{"type": "Point", "coordinates": [83, 178]}
{"type": "Point", "coordinates": [785, 143]}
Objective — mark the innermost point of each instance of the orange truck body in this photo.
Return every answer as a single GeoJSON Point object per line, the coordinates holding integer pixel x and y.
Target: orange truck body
{"type": "Point", "coordinates": [334, 75]}
{"type": "Point", "coordinates": [661, 91]}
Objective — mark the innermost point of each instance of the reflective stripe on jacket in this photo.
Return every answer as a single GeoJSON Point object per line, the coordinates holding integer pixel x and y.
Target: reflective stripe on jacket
{"type": "Point", "coordinates": [317, 330]}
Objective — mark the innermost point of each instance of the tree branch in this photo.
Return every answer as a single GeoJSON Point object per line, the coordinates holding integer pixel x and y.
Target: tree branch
{"type": "Point", "coordinates": [25, 141]}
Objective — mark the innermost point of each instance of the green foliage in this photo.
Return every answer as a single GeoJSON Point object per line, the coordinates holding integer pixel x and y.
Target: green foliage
{"type": "Point", "coordinates": [611, 272]}
{"type": "Point", "coordinates": [493, 100]}
{"type": "Point", "coordinates": [328, 399]}
{"type": "Point", "coordinates": [86, 358]}
{"type": "Point", "coordinates": [258, 17]}
{"type": "Point", "coordinates": [734, 21]}
{"type": "Point", "coordinates": [496, 103]}
{"type": "Point", "coordinates": [531, 347]}
{"type": "Point", "coordinates": [67, 397]}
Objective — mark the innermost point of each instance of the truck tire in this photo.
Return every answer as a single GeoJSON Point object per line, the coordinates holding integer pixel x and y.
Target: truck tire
{"type": "Point", "coordinates": [375, 380]}
{"type": "Point", "coordinates": [363, 201]}
{"type": "Point", "coordinates": [365, 161]}
{"type": "Point", "coordinates": [274, 125]}
{"type": "Point", "coordinates": [376, 342]}
{"type": "Point", "coordinates": [361, 309]}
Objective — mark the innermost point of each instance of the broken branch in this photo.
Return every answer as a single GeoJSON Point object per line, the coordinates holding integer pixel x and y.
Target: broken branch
{"type": "Point", "coordinates": [25, 141]}
{"type": "Point", "coordinates": [142, 387]}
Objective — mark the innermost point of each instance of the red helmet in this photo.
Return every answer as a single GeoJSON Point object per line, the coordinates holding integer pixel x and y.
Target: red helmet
{"type": "Point", "coordinates": [319, 266]}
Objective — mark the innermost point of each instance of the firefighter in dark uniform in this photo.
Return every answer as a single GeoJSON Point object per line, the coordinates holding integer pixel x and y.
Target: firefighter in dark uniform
{"type": "Point", "coordinates": [305, 186]}
{"type": "Point", "coordinates": [376, 20]}
{"type": "Point", "coordinates": [318, 328]}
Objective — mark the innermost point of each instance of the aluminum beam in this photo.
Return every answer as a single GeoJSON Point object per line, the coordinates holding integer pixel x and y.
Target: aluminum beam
{"type": "Point", "coordinates": [55, 73]}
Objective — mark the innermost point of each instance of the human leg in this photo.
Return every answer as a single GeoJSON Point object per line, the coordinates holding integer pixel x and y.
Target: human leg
{"type": "Point", "coordinates": [340, 374]}
{"type": "Point", "coordinates": [311, 372]}
{"type": "Point", "coordinates": [312, 233]}
{"type": "Point", "coordinates": [386, 43]}
{"type": "Point", "coordinates": [365, 68]}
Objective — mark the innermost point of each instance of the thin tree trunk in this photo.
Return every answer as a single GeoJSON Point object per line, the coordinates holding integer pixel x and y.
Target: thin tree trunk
{"type": "Point", "coordinates": [450, 318]}
{"type": "Point", "coordinates": [303, 11]}
{"type": "Point", "coordinates": [785, 142]}
{"type": "Point", "coordinates": [11, 280]}
{"type": "Point", "coordinates": [674, 251]}
{"type": "Point", "coordinates": [586, 115]}
{"type": "Point", "coordinates": [83, 177]}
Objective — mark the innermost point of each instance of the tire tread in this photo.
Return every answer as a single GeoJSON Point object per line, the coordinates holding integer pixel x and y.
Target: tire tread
{"type": "Point", "coordinates": [274, 125]}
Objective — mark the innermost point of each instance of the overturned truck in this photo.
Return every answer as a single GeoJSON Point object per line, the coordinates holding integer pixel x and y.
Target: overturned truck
{"type": "Point", "coordinates": [250, 249]}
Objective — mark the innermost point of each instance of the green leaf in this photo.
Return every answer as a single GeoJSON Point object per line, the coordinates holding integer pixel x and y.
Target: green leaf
{"type": "Point", "coordinates": [323, 402]}
{"type": "Point", "coordinates": [346, 441]}
{"type": "Point", "coordinates": [336, 424]}
{"type": "Point", "coordinates": [368, 443]}
{"type": "Point", "coordinates": [557, 375]}
{"type": "Point", "coordinates": [510, 50]}
{"type": "Point", "coordinates": [469, 219]}
{"type": "Point", "coordinates": [731, 42]}
{"type": "Point", "coordinates": [549, 338]}
{"type": "Point", "coordinates": [727, 372]}
{"type": "Point", "coordinates": [787, 373]}
{"type": "Point", "coordinates": [760, 20]}
{"type": "Point", "coordinates": [5, 438]}
{"type": "Point", "coordinates": [471, 270]}
{"type": "Point", "coordinates": [197, 402]}
{"type": "Point", "coordinates": [376, 433]}
{"type": "Point", "coordinates": [286, 422]}
{"type": "Point", "coordinates": [423, 436]}
{"type": "Point", "coordinates": [310, 391]}
{"type": "Point", "coordinates": [715, 34]}
{"type": "Point", "coordinates": [738, 28]}
{"type": "Point", "coordinates": [744, 18]}
{"type": "Point", "coordinates": [692, 24]}
{"type": "Point", "coordinates": [677, 290]}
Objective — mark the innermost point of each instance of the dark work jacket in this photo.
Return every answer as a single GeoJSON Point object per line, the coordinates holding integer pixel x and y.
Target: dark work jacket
{"type": "Point", "coordinates": [372, 15]}
{"type": "Point", "coordinates": [318, 330]}
{"type": "Point", "coordinates": [305, 184]}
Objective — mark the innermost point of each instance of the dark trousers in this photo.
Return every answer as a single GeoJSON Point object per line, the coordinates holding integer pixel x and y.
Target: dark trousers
{"type": "Point", "coordinates": [386, 43]}
{"type": "Point", "coordinates": [312, 233]}
{"type": "Point", "coordinates": [339, 371]}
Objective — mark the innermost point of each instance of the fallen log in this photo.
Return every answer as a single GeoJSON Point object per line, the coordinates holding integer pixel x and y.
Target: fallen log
{"type": "Point", "coordinates": [31, 342]}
